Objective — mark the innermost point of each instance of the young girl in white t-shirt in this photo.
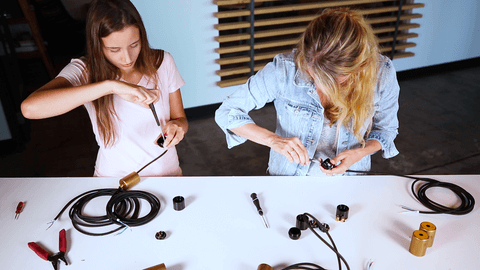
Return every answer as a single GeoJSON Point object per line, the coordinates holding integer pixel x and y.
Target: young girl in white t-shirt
{"type": "Point", "coordinates": [116, 81]}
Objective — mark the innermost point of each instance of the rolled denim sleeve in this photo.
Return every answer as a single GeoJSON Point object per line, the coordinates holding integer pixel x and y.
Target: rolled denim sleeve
{"type": "Point", "coordinates": [385, 121]}
{"type": "Point", "coordinates": [260, 89]}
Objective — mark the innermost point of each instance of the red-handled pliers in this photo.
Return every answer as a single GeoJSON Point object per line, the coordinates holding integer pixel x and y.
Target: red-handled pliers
{"type": "Point", "coordinates": [42, 253]}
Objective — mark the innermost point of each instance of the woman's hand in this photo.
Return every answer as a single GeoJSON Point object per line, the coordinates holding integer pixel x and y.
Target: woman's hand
{"type": "Point", "coordinates": [135, 93]}
{"type": "Point", "coordinates": [292, 148]}
{"type": "Point", "coordinates": [348, 157]}
{"type": "Point", "coordinates": [174, 132]}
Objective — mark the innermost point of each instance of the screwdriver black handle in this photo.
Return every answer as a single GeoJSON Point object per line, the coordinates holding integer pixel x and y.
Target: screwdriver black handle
{"type": "Point", "coordinates": [256, 202]}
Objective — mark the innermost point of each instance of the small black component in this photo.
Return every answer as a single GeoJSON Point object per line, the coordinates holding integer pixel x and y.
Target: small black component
{"type": "Point", "coordinates": [294, 233]}
{"type": "Point", "coordinates": [342, 213]}
{"type": "Point", "coordinates": [161, 140]}
{"type": "Point", "coordinates": [326, 164]}
{"type": "Point", "coordinates": [178, 203]}
{"type": "Point", "coordinates": [324, 227]}
{"type": "Point", "coordinates": [161, 235]}
{"type": "Point", "coordinates": [302, 222]}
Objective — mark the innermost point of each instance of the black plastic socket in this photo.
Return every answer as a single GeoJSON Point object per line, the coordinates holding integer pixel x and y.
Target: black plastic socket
{"type": "Point", "coordinates": [294, 233]}
{"type": "Point", "coordinates": [302, 222]}
{"type": "Point", "coordinates": [326, 164]}
{"type": "Point", "coordinates": [178, 203]}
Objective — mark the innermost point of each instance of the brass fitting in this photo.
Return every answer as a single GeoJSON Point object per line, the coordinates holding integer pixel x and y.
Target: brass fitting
{"type": "Point", "coordinates": [418, 245]}
{"type": "Point", "coordinates": [129, 181]}
{"type": "Point", "coordinates": [430, 229]}
{"type": "Point", "coordinates": [264, 266]}
{"type": "Point", "coordinates": [157, 267]}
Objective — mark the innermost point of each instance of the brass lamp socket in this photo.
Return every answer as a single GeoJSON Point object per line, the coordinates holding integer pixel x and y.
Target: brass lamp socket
{"type": "Point", "coordinates": [129, 181]}
{"type": "Point", "coordinates": [264, 266]}
{"type": "Point", "coordinates": [418, 245]}
{"type": "Point", "coordinates": [430, 229]}
{"type": "Point", "coordinates": [157, 267]}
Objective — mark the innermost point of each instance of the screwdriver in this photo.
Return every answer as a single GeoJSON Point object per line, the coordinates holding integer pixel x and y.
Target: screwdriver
{"type": "Point", "coordinates": [256, 202]}
{"type": "Point", "coordinates": [162, 139]}
{"type": "Point", "coordinates": [19, 209]}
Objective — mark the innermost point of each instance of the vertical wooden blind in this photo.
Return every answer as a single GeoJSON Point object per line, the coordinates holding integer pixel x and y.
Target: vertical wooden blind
{"type": "Point", "coordinates": [252, 32]}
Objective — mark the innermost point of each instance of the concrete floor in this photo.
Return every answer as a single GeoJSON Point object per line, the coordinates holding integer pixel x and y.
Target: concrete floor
{"type": "Point", "coordinates": [439, 134]}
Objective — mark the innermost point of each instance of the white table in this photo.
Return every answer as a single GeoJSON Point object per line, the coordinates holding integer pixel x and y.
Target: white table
{"type": "Point", "coordinates": [220, 228]}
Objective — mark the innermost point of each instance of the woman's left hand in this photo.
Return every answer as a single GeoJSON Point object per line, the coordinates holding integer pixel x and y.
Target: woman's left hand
{"type": "Point", "coordinates": [174, 132]}
{"type": "Point", "coordinates": [348, 157]}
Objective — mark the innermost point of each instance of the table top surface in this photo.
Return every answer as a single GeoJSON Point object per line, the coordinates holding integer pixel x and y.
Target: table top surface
{"type": "Point", "coordinates": [221, 229]}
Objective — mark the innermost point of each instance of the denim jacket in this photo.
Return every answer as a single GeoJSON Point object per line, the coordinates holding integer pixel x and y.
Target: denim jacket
{"type": "Point", "coordinates": [300, 113]}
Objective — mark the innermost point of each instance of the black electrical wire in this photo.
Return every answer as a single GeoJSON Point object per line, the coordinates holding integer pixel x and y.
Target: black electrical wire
{"type": "Point", "coordinates": [467, 200]}
{"type": "Point", "coordinates": [122, 209]}
{"type": "Point", "coordinates": [323, 228]}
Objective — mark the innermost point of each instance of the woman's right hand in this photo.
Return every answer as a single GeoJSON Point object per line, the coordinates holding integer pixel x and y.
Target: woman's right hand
{"type": "Point", "coordinates": [291, 147]}
{"type": "Point", "coordinates": [135, 93]}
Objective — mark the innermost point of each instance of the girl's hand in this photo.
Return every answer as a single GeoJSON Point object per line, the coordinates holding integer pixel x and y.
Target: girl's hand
{"type": "Point", "coordinates": [174, 132]}
{"type": "Point", "coordinates": [292, 148]}
{"type": "Point", "coordinates": [135, 93]}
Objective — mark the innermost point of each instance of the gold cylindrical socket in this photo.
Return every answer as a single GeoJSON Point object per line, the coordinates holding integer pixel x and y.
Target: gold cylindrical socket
{"type": "Point", "coordinates": [264, 266]}
{"type": "Point", "coordinates": [418, 245]}
{"type": "Point", "coordinates": [157, 267]}
{"type": "Point", "coordinates": [129, 181]}
{"type": "Point", "coordinates": [430, 229]}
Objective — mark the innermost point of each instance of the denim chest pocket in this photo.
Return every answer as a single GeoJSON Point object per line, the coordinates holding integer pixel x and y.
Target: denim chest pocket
{"type": "Point", "coordinates": [297, 110]}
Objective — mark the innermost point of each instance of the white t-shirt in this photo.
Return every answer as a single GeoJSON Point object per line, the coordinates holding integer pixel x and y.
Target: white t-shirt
{"type": "Point", "coordinates": [136, 128]}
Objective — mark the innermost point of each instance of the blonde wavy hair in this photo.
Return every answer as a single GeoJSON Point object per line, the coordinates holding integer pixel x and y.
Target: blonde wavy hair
{"type": "Point", "coordinates": [340, 44]}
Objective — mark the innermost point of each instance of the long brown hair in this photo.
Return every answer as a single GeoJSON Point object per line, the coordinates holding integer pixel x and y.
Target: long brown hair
{"type": "Point", "coordinates": [105, 17]}
{"type": "Point", "coordinates": [337, 44]}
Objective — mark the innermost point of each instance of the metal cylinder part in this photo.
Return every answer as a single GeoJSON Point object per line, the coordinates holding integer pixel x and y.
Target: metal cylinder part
{"type": "Point", "coordinates": [157, 267]}
{"type": "Point", "coordinates": [129, 181]}
{"type": "Point", "coordinates": [342, 213]}
{"type": "Point", "coordinates": [418, 245]}
{"type": "Point", "coordinates": [178, 203]}
{"type": "Point", "coordinates": [430, 229]}
{"type": "Point", "coordinates": [264, 266]}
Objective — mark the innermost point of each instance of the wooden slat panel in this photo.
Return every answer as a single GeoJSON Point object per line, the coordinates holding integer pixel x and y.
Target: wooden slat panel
{"type": "Point", "coordinates": [401, 36]}
{"type": "Point", "coordinates": [295, 7]}
{"type": "Point", "coordinates": [238, 2]}
{"type": "Point", "coordinates": [403, 26]}
{"type": "Point", "coordinates": [262, 34]}
{"type": "Point", "coordinates": [246, 58]}
{"type": "Point", "coordinates": [232, 82]}
{"type": "Point", "coordinates": [233, 60]}
{"type": "Point", "coordinates": [393, 18]}
{"type": "Point", "coordinates": [307, 18]}
{"type": "Point", "coordinates": [233, 49]}
{"type": "Point", "coordinates": [403, 55]}
{"type": "Point", "coordinates": [370, 11]}
{"type": "Point", "coordinates": [238, 70]}
{"type": "Point", "coordinates": [399, 46]}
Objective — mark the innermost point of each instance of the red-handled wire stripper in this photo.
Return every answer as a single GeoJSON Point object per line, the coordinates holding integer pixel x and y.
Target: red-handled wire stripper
{"type": "Point", "coordinates": [42, 253]}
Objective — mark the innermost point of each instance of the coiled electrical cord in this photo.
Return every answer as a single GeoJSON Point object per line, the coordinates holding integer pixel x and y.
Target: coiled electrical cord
{"type": "Point", "coordinates": [467, 200]}
{"type": "Point", "coordinates": [122, 209]}
{"type": "Point", "coordinates": [323, 227]}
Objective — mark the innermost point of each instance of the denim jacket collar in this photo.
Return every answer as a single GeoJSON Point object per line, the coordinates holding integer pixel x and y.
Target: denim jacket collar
{"type": "Point", "coordinates": [299, 80]}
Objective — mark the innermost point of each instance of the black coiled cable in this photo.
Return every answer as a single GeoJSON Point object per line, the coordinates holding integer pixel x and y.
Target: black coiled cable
{"type": "Point", "coordinates": [122, 209]}
{"type": "Point", "coordinates": [467, 205]}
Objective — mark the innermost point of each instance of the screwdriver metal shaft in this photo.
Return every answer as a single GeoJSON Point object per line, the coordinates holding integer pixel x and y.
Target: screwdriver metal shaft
{"type": "Point", "coordinates": [256, 202]}
{"type": "Point", "coordinates": [152, 107]}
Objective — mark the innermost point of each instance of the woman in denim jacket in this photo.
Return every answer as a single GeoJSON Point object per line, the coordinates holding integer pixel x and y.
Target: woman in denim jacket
{"type": "Point", "coordinates": [335, 96]}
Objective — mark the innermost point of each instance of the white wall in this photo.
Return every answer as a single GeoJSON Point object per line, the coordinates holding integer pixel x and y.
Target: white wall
{"type": "Point", "coordinates": [449, 31]}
